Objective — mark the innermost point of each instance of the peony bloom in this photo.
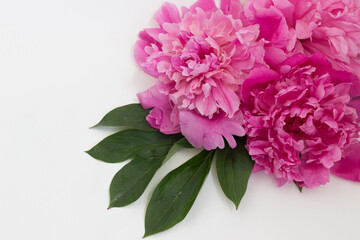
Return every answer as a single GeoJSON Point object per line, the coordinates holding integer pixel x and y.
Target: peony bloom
{"type": "Point", "coordinates": [300, 121]}
{"type": "Point", "coordinates": [200, 59]}
{"type": "Point", "coordinates": [309, 26]}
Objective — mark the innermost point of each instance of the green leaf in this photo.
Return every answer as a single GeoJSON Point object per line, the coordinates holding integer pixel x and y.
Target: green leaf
{"type": "Point", "coordinates": [297, 185]}
{"type": "Point", "coordinates": [130, 143]}
{"type": "Point", "coordinates": [132, 115]}
{"type": "Point", "coordinates": [184, 143]}
{"type": "Point", "coordinates": [131, 181]}
{"type": "Point", "coordinates": [148, 151]}
{"type": "Point", "coordinates": [234, 167]}
{"type": "Point", "coordinates": [176, 193]}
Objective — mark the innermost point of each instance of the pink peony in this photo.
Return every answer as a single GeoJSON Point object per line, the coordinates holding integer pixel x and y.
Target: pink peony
{"type": "Point", "coordinates": [309, 26]}
{"type": "Point", "coordinates": [349, 166]}
{"type": "Point", "coordinates": [299, 119]}
{"type": "Point", "coordinates": [200, 59]}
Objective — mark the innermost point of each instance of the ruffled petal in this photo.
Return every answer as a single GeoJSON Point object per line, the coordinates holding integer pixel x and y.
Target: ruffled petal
{"type": "Point", "coordinates": [349, 166]}
{"type": "Point", "coordinates": [141, 59]}
{"type": "Point", "coordinates": [160, 116]}
{"type": "Point", "coordinates": [226, 99]}
{"type": "Point", "coordinates": [206, 5]}
{"type": "Point", "coordinates": [231, 7]}
{"type": "Point", "coordinates": [148, 40]}
{"type": "Point", "coordinates": [168, 13]}
{"type": "Point", "coordinates": [257, 76]}
{"type": "Point", "coordinates": [208, 133]}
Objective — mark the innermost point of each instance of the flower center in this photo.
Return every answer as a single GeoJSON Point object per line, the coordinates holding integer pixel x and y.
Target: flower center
{"type": "Point", "coordinates": [196, 58]}
{"type": "Point", "coordinates": [293, 124]}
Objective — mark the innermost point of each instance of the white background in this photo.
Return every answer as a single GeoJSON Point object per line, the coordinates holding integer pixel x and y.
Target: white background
{"type": "Point", "coordinates": [63, 65]}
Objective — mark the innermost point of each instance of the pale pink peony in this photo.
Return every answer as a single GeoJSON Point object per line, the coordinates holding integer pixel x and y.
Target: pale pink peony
{"type": "Point", "coordinates": [298, 119]}
{"type": "Point", "coordinates": [309, 26]}
{"type": "Point", "coordinates": [200, 59]}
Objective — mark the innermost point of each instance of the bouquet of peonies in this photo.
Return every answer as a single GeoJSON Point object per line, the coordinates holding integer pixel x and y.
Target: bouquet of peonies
{"type": "Point", "coordinates": [271, 85]}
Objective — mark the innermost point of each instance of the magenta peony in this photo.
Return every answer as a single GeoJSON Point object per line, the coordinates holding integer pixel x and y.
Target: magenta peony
{"type": "Point", "coordinates": [200, 59]}
{"type": "Point", "coordinates": [309, 26]}
{"type": "Point", "coordinates": [298, 118]}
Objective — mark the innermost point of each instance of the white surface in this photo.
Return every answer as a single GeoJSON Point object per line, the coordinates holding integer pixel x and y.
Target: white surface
{"type": "Point", "coordinates": [63, 65]}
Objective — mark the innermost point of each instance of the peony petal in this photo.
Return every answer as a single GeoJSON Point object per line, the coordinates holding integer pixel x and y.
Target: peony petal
{"type": "Point", "coordinates": [139, 52]}
{"type": "Point", "coordinates": [320, 61]}
{"type": "Point", "coordinates": [355, 66]}
{"type": "Point", "coordinates": [339, 76]}
{"type": "Point", "coordinates": [154, 33]}
{"type": "Point", "coordinates": [295, 60]}
{"type": "Point", "coordinates": [349, 166]}
{"type": "Point", "coordinates": [155, 118]}
{"type": "Point", "coordinates": [141, 59]}
{"type": "Point", "coordinates": [208, 133]}
{"type": "Point", "coordinates": [226, 99]}
{"type": "Point", "coordinates": [355, 88]}
{"type": "Point", "coordinates": [231, 7]}
{"type": "Point", "coordinates": [206, 5]}
{"type": "Point", "coordinates": [168, 13]}
{"type": "Point", "coordinates": [286, 7]}
{"type": "Point", "coordinates": [257, 168]}
{"type": "Point", "coordinates": [152, 98]}
{"type": "Point", "coordinates": [257, 76]}
{"type": "Point", "coordinates": [274, 56]}
{"type": "Point", "coordinates": [302, 30]}
{"type": "Point", "coordinates": [355, 103]}
{"type": "Point", "coordinates": [314, 175]}
{"type": "Point", "coordinates": [148, 38]}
